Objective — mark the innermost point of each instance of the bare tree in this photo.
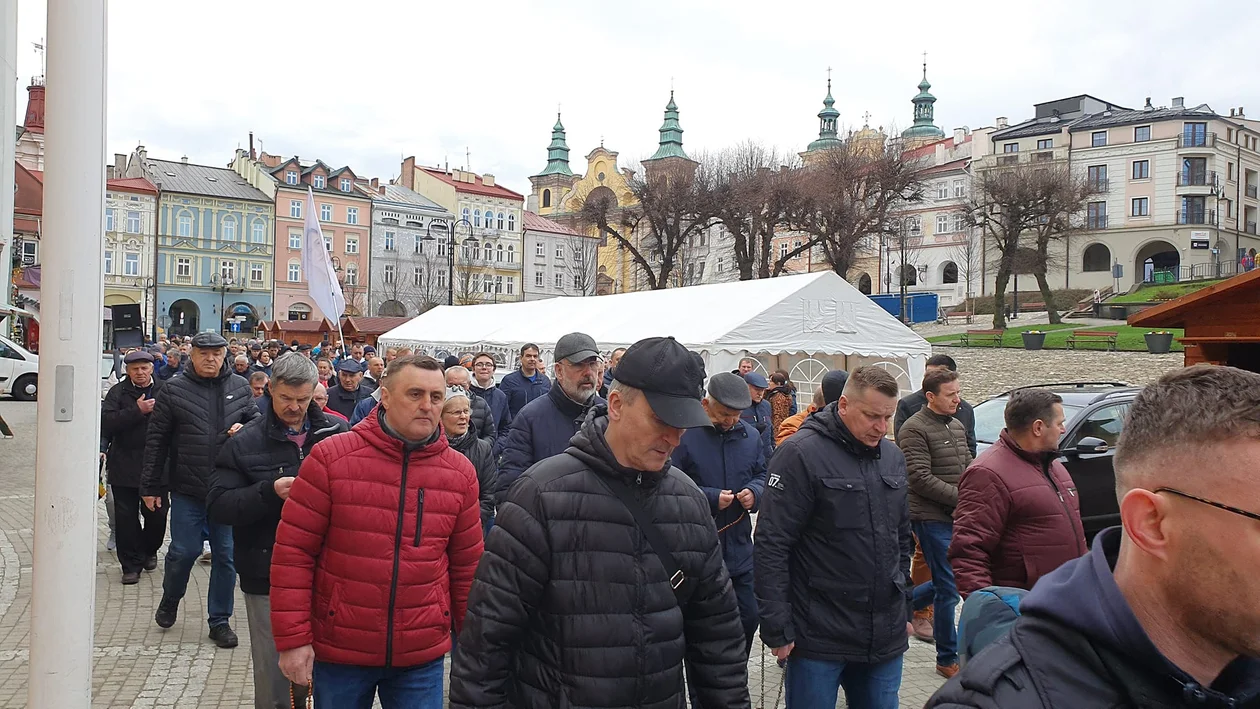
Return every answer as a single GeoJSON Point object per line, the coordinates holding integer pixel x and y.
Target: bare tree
{"type": "Point", "coordinates": [966, 257]}
{"type": "Point", "coordinates": [755, 191]}
{"type": "Point", "coordinates": [584, 257]}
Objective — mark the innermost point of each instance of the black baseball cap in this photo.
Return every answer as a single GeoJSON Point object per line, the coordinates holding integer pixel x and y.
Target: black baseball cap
{"type": "Point", "coordinates": [671, 378]}
{"type": "Point", "coordinates": [576, 347]}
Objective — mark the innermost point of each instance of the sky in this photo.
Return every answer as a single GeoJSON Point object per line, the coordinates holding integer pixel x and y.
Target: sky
{"type": "Point", "coordinates": [478, 84]}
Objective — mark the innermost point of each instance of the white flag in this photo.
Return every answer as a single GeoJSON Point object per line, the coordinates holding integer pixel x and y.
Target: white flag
{"type": "Point", "coordinates": [321, 278]}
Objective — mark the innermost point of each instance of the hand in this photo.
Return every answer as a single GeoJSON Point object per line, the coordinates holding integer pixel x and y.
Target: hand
{"type": "Point", "coordinates": [102, 457]}
{"type": "Point", "coordinates": [235, 427]}
{"type": "Point", "coordinates": [153, 502]}
{"type": "Point", "coordinates": [780, 653]}
{"type": "Point", "coordinates": [746, 498]}
{"type": "Point", "coordinates": [298, 664]}
{"type": "Point", "coordinates": [725, 498]}
{"type": "Point", "coordinates": [283, 485]}
{"type": "Point", "coordinates": [145, 405]}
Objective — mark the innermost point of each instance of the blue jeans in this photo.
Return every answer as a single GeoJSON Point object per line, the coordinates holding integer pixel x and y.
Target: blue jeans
{"type": "Point", "coordinates": [941, 592]}
{"type": "Point", "coordinates": [814, 684]}
{"type": "Point", "coordinates": [353, 687]}
{"type": "Point", "coordinates": [188, 520]}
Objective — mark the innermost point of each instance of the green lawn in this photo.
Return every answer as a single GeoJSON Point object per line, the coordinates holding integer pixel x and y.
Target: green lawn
{"type": "Point", "coordinates": [1155, 293]}
{"type": "Point", "coordinates": [1128, 339]}
{"type": "Point", "coordinates": [1010, 338]}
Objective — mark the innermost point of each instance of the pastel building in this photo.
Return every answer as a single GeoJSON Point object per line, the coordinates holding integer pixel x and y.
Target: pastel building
{"type": "Point", "coordinates": [130, 258]}
{"type": "Point", "coordinates": [409, 258]}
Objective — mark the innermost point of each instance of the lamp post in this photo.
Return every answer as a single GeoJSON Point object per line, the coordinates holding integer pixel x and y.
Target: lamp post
{"type": "Point", "coordinates": [223, 284]}
{"type": "Point", "coordinates": [450, 252]}
{"type": "Point", "coordinates": [147, 284]}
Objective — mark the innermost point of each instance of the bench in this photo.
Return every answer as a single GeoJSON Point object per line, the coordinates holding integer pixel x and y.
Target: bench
{"type": "Point", "coordinates": [1106, 337]}
{"type": "Point", "coordinates": [972, 338]}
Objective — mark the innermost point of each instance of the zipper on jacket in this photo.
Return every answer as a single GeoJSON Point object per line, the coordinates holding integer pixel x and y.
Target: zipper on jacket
{"type": "Point", "coordinates": [419, 513]}
{"type": "Point", "coordinates": [393, 579]}
{"type": "Point", "coordinates": [1045, 470]}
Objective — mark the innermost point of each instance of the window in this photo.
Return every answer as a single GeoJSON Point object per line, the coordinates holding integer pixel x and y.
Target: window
{"type": "Point", "coordinates": [560, 251]}
{"type": "Point", "coordinates": [466, 248]}
{"type": "Point", "coordinates": [796, 245]}
{"type": "Point", "coordinates": [783, 250]}
{"type": "Point", "coordinates": [476, 282]}
{"type": "Point", "coordinates": [1097, 257]}
{"type": "Point", "coordinates": [465, 213]}
{"type": "Point", "coordinates": [441, 249]}
{"type": "Point", "coordinates": [389, 273]}
{"type": "Point", "coordinates": [419, 244]}
{"type": "Point", "coordinates": [290, 177]}
{"type": "Point", "coordinates": [942, 223]}
{"type": "Point", "coordinates": [1194, 135]}
{"type": "Point", "coordinates": [256, 272]}
{"type": "Point", "coordinates": [389, 241]}
{"type": "Point", "coordinates": [299, 311]}
{"type": "Point", "coordinates": [1229, 173]}
{"type": "Point", "coordinates": [131, 264]}
{"type": "Point", "coordinates": [546, 202]}
{"type": "Point", "coordinates": [700, 271]}
{"type": "Point", "coordinates": [476, 250]}
{"type": "Point", "coordinates": [498, 284]}
{"type": "Point", "coordinates": [498, 254]}
{"type": "Point", "coordinates": [109, 262]}
{"type": "Point", "coordinates": [109, 220]}
{"type": "Point", "coordinates": [1141, 134]}
{"type": "Point", "coordinates": [511, 222]}
{"type": "Point", "coordinates": [185, 225]}
{"type": "Point", "coordinates": [345, 184]}
{"type": "Point", "coordinates": [1141, 207]}
{"type": "Point", "coordinates": [319, 182]}
{"type": "Point", "coordinates": [1010, 148]}
{"type": "Point", "coordinates": [560, 280]}
{"type": "Point", "coordinates": [352, 274]}
{"type": "Point", "coordinates": [942, 190]}
{"type": "Point", "coordinates": [1141, 169]}
{"type": "Point", "coordinates": [259, 232]}
{"type": "Point", "coordinates": [1045, 143]}
{"type": "Point", "coordinates": [352, 215]}
{"type": "Point", "coordinates": [915, 226]}
{"type": "Point", "coordinates": [1096, 216]}
{"type": "Point", "coordinates": [500, 220]}
{"type": "Point", "coordinates": [295, 240]}
{"type": "Point", "coordinates": [511, 284]}
{"type": "Point", "coordinates": [417, 277]}
{"type": "Point", "coordinates": [183, 267]}
{"type": "Point", "coordinates": [720, 265]}
{"type": "Point", "coordinates": [1097, 175]}
{"type": "Point", "coordinates": [960, 221]}
{"type": "Point", "coordinates": [352, 244]}
{"type": "Point", "coordinates": [1098, 138]}
{"type": "Point", "coordinates": [960, 189]}
{"type": "Point", "coordinates": [538, 279]}
{"type": "Point", "coordinates": [477, 218]}
{"type": "Point", "coordinates": [441, 279]}
{"type": "Point", "coordinates": [511, 256]}
{"type": "Point", "coordinates": [229, 229]}
{"type": "Point", "coordinates": [1106, 423]}
{"type": "Point", "coordinates": [540, 249]}
{"type": "Point", "coordinates": [328, 243]}
{"type": "Point", "coordinates": [295, 208]}
{"type": "Point", "coordinates": [325, 212]}
{"type": "Point", "coordinates": [577, 281]}
{"type": "Point", "coordinates": [227, 271]}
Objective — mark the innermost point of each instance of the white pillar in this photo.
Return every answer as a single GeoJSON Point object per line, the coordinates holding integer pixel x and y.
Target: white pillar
{"type": "Point", "coordinates": [8, 119]}
{"type": "Point", "coordinates": [68, 419]}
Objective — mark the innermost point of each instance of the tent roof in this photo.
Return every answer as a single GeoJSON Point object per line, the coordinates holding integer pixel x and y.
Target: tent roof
{"type": "Point", "coordinates": [811, 313]}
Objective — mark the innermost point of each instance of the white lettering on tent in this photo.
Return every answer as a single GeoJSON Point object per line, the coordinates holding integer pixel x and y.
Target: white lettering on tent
{"type": "Point", "coordinates": [828, 316]}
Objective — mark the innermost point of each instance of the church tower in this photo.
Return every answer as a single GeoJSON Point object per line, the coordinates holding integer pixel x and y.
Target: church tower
{"type": "Point", "coordinates": [924, 129]}
{"type": "Point", "coordinates": [670, 150]}
{"type": "Point", "coordinates": [828, 128]}
{"type": "Point", "coordinates": [556, 179]}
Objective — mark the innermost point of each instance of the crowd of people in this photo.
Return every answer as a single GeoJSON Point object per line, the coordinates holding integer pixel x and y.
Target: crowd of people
{"type": "Point", "coordinates": [583, 535]}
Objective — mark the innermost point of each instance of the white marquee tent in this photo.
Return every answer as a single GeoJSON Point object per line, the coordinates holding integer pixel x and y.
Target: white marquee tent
{"type": "Point", "coordinates": [806, 324]}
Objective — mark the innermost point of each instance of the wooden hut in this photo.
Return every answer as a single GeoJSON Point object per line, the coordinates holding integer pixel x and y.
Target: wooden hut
{"type": "Point", "coordinates": [1222, 322]}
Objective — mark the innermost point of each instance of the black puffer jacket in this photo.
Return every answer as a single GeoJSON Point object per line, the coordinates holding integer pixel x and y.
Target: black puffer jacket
{"type": "Point", "coordinates": [480, 453]}
{"type": "Point", "coordinates": [242, 493]}
{"type": "Point", "coordinates": [832, 546]}
{"type": "Point", "coordinates": [482, 418]}
{"type": "Point", "coordinates": [125, 427]}
{"type": "Point", "coordinates": [570, 607]}
{"type": "Point", "coordinates": [188, 426]}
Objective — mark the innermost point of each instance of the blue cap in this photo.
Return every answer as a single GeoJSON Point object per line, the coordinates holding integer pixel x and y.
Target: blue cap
{"type": "Point", "coordinates": [349, 365]}
{"type": "Point", "coordinates": [757, 379]}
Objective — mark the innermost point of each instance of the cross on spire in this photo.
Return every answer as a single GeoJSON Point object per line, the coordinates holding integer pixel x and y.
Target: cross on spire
{"type": "Point", "coordinates": [828, 79]}
{"type": "Point", "coordinates": [924, 64]}
{"type": "Point", "coordinates": [866, 118]}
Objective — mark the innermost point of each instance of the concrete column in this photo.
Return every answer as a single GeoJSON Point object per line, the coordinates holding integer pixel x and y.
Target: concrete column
{"type": "Point", "coordinates": [8, 119]}
{"type": "Point", "coordinates": [68, 419]}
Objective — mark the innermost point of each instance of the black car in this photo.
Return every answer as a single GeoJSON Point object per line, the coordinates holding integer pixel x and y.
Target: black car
{"type": "Point", "coordinates": [1094, 414]}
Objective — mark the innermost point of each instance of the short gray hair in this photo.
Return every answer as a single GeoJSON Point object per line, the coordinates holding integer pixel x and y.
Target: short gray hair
{"type": "Point", "coordinates": [459, 370]}
{"type": "Point", "coordinates": [627, 392]}
{"type": "Point", "coordinates": [293, 369]}
{"type": "Point", "coordinates": [240, 358]}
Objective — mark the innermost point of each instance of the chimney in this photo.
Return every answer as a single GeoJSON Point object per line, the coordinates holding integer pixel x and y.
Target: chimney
{"type": "Point", "coordinates": [1240, 112]}
{"type": "Point", "coordinates": [487, 180]}
{"type": "Point", "coordinates": [1148, 106]}
{"type": "Point", "coordinates": [1231, 112]}
{"type": "Point", "coordinates": [120, 165]}
{"type": "Point", "coordinates": [960, 134]}
{"type": "Point", "coordinates": [34, 108]}
{"type": "Point", "coordinates": [1179, 102]}
{"type": "Point", "coordinates": [1001, 122]}
{"type": "Point", "coordinates": [184, 159]}
{"type": "Point", "coordinates": [252, 154]}
{"type": "Point", "coordinates": [375, 183]}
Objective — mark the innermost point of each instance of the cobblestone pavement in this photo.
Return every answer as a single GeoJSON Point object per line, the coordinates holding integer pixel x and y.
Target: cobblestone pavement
{"type": "Point", "coordinates": [141, 665]}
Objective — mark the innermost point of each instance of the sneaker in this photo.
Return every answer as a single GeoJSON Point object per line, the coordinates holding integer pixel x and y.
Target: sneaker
{"type": "Point", "coordinates": [150, 563]}
{"type": "Point", "coordinates": [205, 553]}
{"type": "Point", "coordinates": [225, 637]}
{"type": "Point", "coordinates": [112, 544]}
{"type": "Point", "coordinates": [165, 617]}
{"type": "Point", "coordinates": [947, 671]}
{"type": "Point", "coordinates": [922, 629]}
{"type": "Point", "coordinates": [130, 577]}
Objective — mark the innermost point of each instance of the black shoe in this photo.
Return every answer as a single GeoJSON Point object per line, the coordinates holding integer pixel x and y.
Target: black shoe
{"type": "Point", "coordinates": [224, 636]}
{"type": "Point", "coordinates": [165, 617]}
{"type": "Point", "coordinates": [130, 577]}
{"type": "Point", "coordinates": [150, 563]}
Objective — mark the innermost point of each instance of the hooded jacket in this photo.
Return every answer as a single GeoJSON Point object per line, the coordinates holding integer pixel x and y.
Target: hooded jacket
{"type": "Point", "coordinates": [792, 424]}
{"type": "Point", "coordinates": [498, 401]}
{"type": "Point", "coordinates": [542, 429]}
{"type": "Point", "coordinates": [571, 608]}
{"type": "Point", "coordinates": [832, 546]}
{"type": "Point", "coordinates": [1078, 644]}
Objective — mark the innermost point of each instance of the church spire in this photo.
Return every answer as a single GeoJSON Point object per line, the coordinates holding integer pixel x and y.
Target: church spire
{"type": "Point", "coordinates": [557, 152]}
{"type": "Point", "coordinates": [671, 134]}
{"type": "Point", "coordinates": [828, 118]}
{"type": "Point", "coordinates": [924, 127]}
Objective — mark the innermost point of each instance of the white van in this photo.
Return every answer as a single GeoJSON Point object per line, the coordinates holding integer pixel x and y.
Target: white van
{"type": "Point", "coordinates": [19, 371]}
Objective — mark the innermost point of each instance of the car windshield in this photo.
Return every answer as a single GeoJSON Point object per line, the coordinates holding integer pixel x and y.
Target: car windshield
{"type": "Point", "coordinates": [990, 418]}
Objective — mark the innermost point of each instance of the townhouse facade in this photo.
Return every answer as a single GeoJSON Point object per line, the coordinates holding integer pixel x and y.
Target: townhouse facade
{"type": "Point", "coordinates": [129, 264]}
{"type": "Point", "coordinates": [408, 251]}
{"type": "Point", "coordinates": [559, 261]}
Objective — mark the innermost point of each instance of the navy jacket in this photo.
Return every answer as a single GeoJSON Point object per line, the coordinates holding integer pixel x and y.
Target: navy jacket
{"type": "Point", "coordinates": [498, 402]}
{"type": "Point", "coordinates": [542, 429]}
{"type": "Point", "coordinates": [520, 390]}
{"type": "Point", "coordinates": [363, 409]}
{"type": "Point", "coordinates": [727, 460]}
{"type": "Point", "coordinates": [758, 417]}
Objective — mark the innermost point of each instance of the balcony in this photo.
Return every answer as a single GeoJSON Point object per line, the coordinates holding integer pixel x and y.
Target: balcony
{"type": "Point", "coordinates": [1251, 191]}
{"type": "Point", "coordinates": [1043, 155]}
{"type": "Point", "coordinates": [1197, 216]}
{"type": "Point", "coordinates": [1196, 140]}
{"type": "Point", "coordinates": [1196, 178]}
{"type": "Point", "coordinates": [1096, 221]}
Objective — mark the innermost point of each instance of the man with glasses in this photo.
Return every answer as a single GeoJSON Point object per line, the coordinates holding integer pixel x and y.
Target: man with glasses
{"type": "Point", "coordinates": [483, 385]}
{"type": "Point", "coordinates": [1164, 610]}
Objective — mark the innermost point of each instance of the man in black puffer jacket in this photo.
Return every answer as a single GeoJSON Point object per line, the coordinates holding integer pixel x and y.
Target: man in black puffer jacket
{"type": "Point", "coordinates": [571, 605]}
{"type": "Point", "coordinates": [191, 421]}
{"type": "Point", "coordinates": [248, 487]}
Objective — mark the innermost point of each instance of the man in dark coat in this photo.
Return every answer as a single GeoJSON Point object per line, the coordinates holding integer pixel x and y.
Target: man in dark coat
{"type": "Point", "coordinates": [125, 415]}
{"type": "Point", "coordinates": [247, 488]}
{"type": "Point", "coordinates": [758, 414]}
{"type": "Point", "coordinates": [527, 383]}
{"type": "Point", "coordinates": [543, 428]}
{"type": "Point", "coordinates": [483, 385]}
{"type": "Point", "coordinates": [832, 551]}
{"type": "Point", "coordinates": [571, 606]}
{"type": "Point", "coordinates": [192, 420]}
{"type": "Point", "coordinates": [1162, 612]}
{"type": "Point", "coordinates": [727, 462]}
{"type": "Point", "coordinates": [482, 416]}
{"type": "Point", "coordinates": [349, 389]}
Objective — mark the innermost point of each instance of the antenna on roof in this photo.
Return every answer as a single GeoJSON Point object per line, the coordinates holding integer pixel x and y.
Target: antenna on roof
{"type": "Point", "coordinates": [467, 159]}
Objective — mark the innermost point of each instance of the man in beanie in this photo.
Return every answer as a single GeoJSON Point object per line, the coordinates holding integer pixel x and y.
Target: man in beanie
{"type": "Point", "coordinates": [727, 462]}
{"type": "Point", "coordinates": [572, 605]}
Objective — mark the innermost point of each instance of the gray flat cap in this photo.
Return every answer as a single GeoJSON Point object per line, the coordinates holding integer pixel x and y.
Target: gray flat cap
{"type": "Point", "coordinates": [730, 390]}
{"type": "Point", "coordinates": [208, 340]}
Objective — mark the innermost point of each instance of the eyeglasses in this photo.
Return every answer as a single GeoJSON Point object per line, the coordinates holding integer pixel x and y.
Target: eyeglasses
{"type": "Point", "coordinates": [1218, 505]}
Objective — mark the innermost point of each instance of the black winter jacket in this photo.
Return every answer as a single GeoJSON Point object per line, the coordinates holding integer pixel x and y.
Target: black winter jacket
{"type": "Point", "coordinates": [482, 418]}
{"type": "Point", "coordinates": [832, 546]}
{"type": "Point", "coordinates": [125, 427]}
{"type": "Point", "coordinates": [342, 401]}
{"type": "Point", "coordinates": [242, 494]}
{"type": "Point", "coordinates": [480, 453]}
{"type": "Point", "coordinates": [570, 607]}
{"type": "Point", "coordinates": [540, 430]}
{"type": "Point", "coordinates": [188, 426]}
{"type": "Point", "coordinates": [1079, 645]}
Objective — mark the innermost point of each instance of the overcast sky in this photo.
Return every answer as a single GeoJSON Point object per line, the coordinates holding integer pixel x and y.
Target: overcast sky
{"type": "Point", "coordinates": [366, 83]}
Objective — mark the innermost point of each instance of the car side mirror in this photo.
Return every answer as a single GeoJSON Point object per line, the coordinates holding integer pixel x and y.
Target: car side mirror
{"type": "Point", "coordinates": [1088, 446]}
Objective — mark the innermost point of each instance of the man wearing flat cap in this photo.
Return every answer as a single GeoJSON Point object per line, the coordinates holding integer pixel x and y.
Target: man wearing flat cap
{"type": "Point", "coordinates": [573, 603]}
{"type": "Point", "coordinates": [728, 464]}
{"type": "Point", "coordinates": [349, 390]}
{"type": "Point", "coordinates": [191, 421]}
{"type": "Point", "coordinates": [758, 414]}
{"type": "Point", "coordinates": [125, 415]}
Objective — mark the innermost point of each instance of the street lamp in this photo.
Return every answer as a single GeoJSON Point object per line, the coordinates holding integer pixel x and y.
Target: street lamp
{"type": "Point", "coordinates": [223, 283]}
{"type": "Point", "coordinates": [450, 252]}
{"type": "Point", "coordinates": [147, 284]}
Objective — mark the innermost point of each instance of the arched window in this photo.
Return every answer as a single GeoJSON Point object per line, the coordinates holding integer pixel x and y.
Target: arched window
{"type": "Point", "coordinates": [1097, 257]}
{"type": "Point", "coordinates": [465, 213]}
{"type": "Point", "coordinates": [477, 217]}
{"type": "Point", "coordinates": [511, 221]}
{"type": "Point", "coordinates": [949, 272]}
{"type": "Point", "coordinates": [546, 202]}
{"type": "Point", "coordinates": [498, 254]}
{"type": "Point", "coordinates": [500, 220]}
{"type": "Point", "coordinates": [864, 284]}
{"type": "Point", "coordinates": [909, 275]}
{"type": "Point", "coordinates": [229, 229]}
{"type": "Point", "coordinates": [511, 255]}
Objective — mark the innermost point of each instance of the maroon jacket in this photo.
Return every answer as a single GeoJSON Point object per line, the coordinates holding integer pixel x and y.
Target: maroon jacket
{"type": "Point", "coordinates": [1018, 518]}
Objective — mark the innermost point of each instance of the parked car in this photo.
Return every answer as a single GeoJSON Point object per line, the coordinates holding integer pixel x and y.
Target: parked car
{"type": "Point", "coordinates": [1094, 414]}
{"type": "Point", "coordinates": [19, 371]}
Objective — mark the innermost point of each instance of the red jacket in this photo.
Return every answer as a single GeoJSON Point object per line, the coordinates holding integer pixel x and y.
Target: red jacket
{"type": "Point", "coordinates": [375, 554]}
{"type": "Point", "coordinates": [1018, 518]}
{"type": "Point", "coordinates": [330, 412]}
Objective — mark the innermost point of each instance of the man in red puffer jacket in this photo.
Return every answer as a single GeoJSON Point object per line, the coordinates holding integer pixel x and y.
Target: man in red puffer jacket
{"type": "Point", "coordinates": [376, 551]}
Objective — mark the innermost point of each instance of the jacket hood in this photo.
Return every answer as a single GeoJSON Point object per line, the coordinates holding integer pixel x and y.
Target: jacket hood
{"type": "Point", "coordinates": [1083, 595]}
{"type": "Point", "coordinates": [827, 422]}
{"type": "Point", "coordinates": [590, 446]}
